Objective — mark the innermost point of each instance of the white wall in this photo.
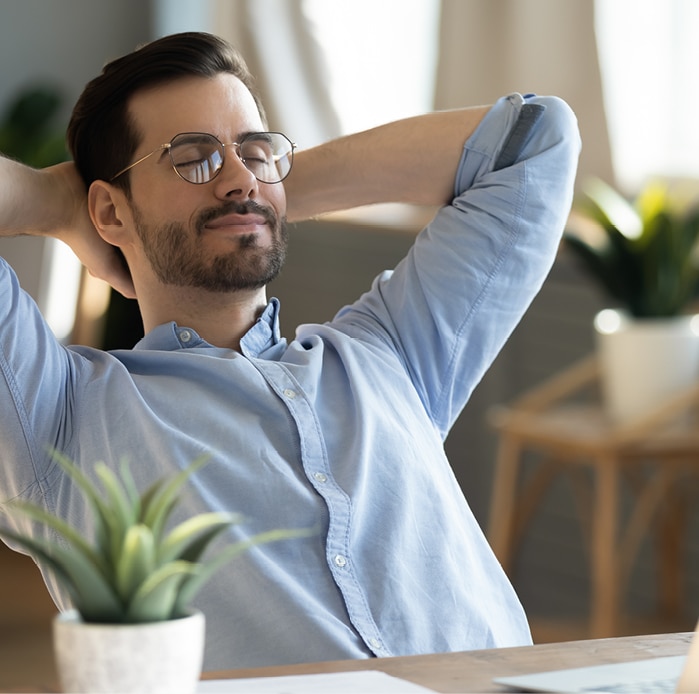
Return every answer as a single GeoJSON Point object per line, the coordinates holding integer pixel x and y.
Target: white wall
{"type": "Point", "coordinates": [65, 43]}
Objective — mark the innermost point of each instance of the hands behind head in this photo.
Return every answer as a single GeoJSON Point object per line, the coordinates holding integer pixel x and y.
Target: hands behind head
{"type": "Point", "coordinates": [101, 259]}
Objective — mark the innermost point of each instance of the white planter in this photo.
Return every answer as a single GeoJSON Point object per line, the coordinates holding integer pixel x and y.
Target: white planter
{"type": "Point", "coordinates": [644, 361]}
{"type": "Point", "coordinates": [129, 658]}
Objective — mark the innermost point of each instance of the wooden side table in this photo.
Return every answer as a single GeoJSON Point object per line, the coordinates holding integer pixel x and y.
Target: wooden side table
{"type": "Point", "coordinates": [652, 455]}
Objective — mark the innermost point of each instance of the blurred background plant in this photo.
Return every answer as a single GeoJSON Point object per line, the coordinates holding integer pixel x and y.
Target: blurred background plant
{"type": "Point", "coordinates": [643, 252]}
{"type": "Point", "coordinates": [30, 127]}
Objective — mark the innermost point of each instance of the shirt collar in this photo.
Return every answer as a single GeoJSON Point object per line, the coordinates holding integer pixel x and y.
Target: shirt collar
{"type": "Point", "coordinates": [264, 334]}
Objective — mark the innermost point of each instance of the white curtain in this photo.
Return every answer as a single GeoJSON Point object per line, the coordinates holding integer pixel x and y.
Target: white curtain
{"type": "Point", "coordinates": [486, 48]}
{"type": "Point", "coordinates": [278, 43]}
{"type": "Point", "coordinates": [491, 47]}
{"type": "Point", "coordinates": [649, 55]}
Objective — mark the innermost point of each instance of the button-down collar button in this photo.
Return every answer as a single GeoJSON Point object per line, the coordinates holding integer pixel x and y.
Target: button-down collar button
{"type": "Point", "coordinates": [340, 561]}
{"type": "Point", "coordinates": [185, 335]}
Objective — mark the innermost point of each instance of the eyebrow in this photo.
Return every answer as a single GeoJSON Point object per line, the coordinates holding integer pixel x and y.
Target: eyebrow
{"type": "Point", "coordinates": [261, 135]}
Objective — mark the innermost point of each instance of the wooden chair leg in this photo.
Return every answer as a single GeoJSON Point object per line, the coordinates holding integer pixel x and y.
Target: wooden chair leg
{"type": "Point", "coordinates": [670, 538]}
{"type": "Point", "coordinates": [650, 492]}
{"type": "Point", "coordinates": [503, 505]}
{"type": "Point", "coordinates": [531, 492]}
{"type": "Point", "coordinates": [605, 608]}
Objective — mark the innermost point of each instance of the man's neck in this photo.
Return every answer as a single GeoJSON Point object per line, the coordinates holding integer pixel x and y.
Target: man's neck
{"type": "Point", "coordinates": [219, 318]}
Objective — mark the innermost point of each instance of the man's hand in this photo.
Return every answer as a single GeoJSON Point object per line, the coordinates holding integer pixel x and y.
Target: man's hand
{"type": "Point", "coordinates": [53, 202]}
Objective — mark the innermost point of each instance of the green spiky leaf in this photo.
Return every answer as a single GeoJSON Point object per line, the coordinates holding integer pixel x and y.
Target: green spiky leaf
{"type": "Point", "coordinates": [136, 561]}
{"type": "Point", "coordinates": [135, 571]}
{"type": "Point", "coordinates": [643, 253]}
{"type": "Point", "coordinates": [193, 584]}
{"type": "Point", "coordinates": [59, 526]}
{"type": "Point", "coordinates": [161, 500]}
{"type": "Point", "coordinates": [91, 593]}
{"type": "Point", "coordinates": [156, 598]}
{"type": "Point", "coordinates": [190, 539]}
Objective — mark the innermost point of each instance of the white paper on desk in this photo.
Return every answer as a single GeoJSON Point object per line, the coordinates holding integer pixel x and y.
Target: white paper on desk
{"type": "Point", "coordinates": [373, 681]}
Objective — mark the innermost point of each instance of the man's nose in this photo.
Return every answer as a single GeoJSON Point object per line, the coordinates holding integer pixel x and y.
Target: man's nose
{"type": "Point", "coordinates": [235, 179]}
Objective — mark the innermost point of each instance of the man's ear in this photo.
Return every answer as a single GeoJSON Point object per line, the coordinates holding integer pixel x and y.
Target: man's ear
{"type": "Point", "coordinates": [110, 212]}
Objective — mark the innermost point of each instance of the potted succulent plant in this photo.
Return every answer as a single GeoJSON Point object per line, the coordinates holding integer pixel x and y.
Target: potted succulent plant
{"type": "Point", "coordinates": [132, 629]}
{"type": "Point", "coordinates": [643, 254]}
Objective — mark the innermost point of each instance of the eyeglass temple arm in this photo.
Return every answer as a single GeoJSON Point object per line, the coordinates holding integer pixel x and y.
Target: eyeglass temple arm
{"type": "Point", "coordinates": [138, 161]}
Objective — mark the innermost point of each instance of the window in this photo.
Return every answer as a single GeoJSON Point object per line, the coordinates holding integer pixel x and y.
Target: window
{"type": "Point", "coordinates": [381, 57]}
{"type": "Point", "coordinates": [648, 57]}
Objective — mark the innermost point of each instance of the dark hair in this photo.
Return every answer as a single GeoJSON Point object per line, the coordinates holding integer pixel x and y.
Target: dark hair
{"type": "Point", "coordinates": [101, 137]}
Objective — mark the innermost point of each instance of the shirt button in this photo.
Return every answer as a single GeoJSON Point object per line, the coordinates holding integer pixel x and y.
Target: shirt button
{"type": "Point", "coordinates": [375, 643]}
{"type": "Point", "coordinates": [185, 335]}
{"type": "Point", "coordinates": [340, 561]}
{"type": "Point", "coordinates": [320, 477]}
{"type": "Point", "coordinates": [291, 394]}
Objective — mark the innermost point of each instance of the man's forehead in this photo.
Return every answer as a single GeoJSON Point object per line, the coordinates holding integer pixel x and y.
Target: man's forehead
{"type": "Point", "coordinates": [221, 105]}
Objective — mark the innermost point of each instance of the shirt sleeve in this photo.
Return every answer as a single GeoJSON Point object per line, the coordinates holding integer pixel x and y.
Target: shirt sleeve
{"type": "Point", "coordinates": [450, 305]}
{"type": "Point", "coordinates": [34, 383]}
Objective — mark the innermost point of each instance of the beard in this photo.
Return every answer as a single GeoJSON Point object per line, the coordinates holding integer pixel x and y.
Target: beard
{"type": "Point", "coordinates": [177, 258]}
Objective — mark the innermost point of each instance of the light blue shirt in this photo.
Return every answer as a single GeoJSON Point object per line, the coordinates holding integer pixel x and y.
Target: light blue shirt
{"type": "Point", "coordinates": [341, 429]}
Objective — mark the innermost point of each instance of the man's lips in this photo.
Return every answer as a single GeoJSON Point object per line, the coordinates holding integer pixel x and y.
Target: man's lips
{"type": "Point", "coordinates": [237, 221]}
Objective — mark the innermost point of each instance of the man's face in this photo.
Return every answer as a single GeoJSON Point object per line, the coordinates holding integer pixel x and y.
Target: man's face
{"type": "Point", "coordinates": [224, 235]}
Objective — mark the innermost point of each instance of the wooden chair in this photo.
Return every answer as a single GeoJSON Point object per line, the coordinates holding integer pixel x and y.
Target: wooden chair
{"type": "Point", "coordinates": [568, 430]}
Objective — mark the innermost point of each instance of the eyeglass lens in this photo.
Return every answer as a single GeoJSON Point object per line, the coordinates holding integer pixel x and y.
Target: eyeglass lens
{"type": "Point", "coordinates": [198, 157]}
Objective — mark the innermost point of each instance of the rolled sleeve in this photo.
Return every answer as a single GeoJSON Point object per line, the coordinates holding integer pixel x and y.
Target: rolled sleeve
{"type": "Point", "coordinates": [451, 304]}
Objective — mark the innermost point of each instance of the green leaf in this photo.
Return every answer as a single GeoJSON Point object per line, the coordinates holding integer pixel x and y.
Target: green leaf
{"type": "Point", "coordinates": [104, 517]}
{"type": "Point", "coordinates": [136, 562]}
{"type": "Point", "coordinates": [118, 498]}
{"type": "Point", "coordinates": [39, 550]}
{"type": "Point", "coordinates": [156, 598]}
{"type": "Point", "coordinates": [193, 584]}
{"type": "Point", "coordinates": [91, 594]}
{"type": "Point", "coordinates": [162, 500]}
{"type": "Point", "coordinates": [130, 487]}
{"type": "Point", "coordinates": [134, 573]}
{"type": "Point", "coordinates": [189, 539]}
{"type": "Point", "coordinates": [611, 209]}
{"type": "Point", "coordinates": [651, 270]}
{"type": "Point", "coordinates": [123, 514]}
{"type": "Point", "coordinates": [62, 528]}
{"type": "Point", "coordinates": [600, 263]}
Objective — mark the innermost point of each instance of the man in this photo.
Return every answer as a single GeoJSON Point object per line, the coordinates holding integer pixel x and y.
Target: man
{"type": "Point", "coordinates": [341, 428]}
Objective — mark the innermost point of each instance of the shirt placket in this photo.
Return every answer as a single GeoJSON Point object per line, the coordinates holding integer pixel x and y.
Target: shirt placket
{"type": "Point", "coordinates": [316, 467]}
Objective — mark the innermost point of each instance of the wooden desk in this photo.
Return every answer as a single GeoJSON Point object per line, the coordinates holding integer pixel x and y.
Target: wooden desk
{"type": "Point", "coordinates": [473, 671]}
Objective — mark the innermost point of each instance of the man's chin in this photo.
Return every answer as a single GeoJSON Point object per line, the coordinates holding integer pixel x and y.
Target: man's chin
{"type": "Point", "coordinates": [218, 263]}
{"type": "Point", "coordinates": [227, 273]}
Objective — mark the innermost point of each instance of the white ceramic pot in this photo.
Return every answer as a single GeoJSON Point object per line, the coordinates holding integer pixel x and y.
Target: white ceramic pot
{"type": "Point", "coordinates": [644, 361]}
{"type": "Point", "coordinates": [129, 658]}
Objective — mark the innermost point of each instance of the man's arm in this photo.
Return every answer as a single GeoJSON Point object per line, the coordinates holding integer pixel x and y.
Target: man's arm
{"type": "Point", "coordinates": [36, 202]}
{"type": "Point", "coordinates": [52, 202]}
{"type": "Point", "coordinates": [449, 306]}
{"type": "Point", "coordinates": [412, 160]}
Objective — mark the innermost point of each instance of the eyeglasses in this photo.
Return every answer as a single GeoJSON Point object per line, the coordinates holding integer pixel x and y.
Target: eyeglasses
{"type": "Point", "coordinates": [198, 157]}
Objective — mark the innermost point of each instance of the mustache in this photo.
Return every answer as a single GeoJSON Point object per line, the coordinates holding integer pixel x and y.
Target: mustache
{"type": "Point", "coordinates": [241, 208]}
